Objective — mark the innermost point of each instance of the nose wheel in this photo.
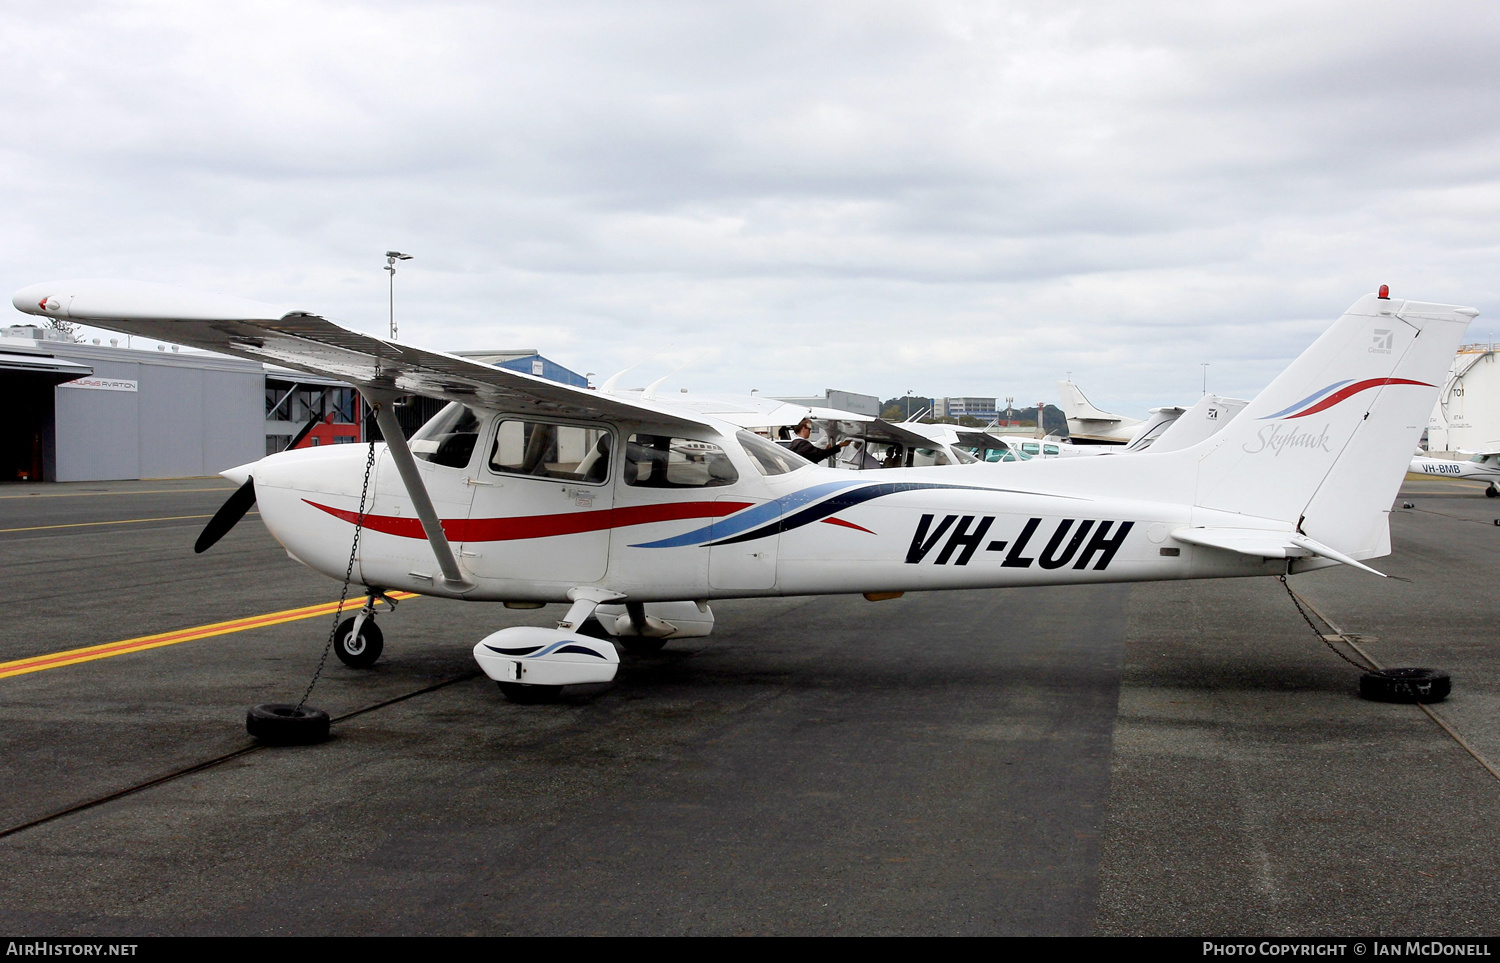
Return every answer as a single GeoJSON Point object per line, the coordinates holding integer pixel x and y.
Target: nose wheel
{"type": "Point", "coordinates": [358, 647]}
{"type": "Point", "coordinates": [358, 641]}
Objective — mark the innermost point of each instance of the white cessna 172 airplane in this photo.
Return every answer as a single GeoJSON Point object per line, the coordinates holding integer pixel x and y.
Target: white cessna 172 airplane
{"type": "Point", "coordinates": [639, 513]}
{"type": "Point", "coordinates": [1481, 465]}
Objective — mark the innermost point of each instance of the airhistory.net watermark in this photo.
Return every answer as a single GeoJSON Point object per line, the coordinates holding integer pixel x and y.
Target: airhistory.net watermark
{"type": "Point", "coordinates": [49, 948]}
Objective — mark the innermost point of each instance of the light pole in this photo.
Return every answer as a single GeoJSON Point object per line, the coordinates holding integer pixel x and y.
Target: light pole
{"type": "Point", "coordinates": [908, 404]}
{"type": "Point", "coordinates": [391, 257]}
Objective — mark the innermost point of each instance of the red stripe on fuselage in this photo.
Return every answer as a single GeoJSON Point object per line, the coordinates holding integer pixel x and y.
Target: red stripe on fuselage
{"type": "Point", "coordinates": [538, 526]}
{"type": "Point", "coordinates": [840, 521]}
{"type": "Point", "coordinates": [1354, 389]}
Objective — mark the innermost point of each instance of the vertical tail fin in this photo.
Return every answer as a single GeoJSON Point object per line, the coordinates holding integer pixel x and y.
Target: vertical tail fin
{"type": "Point", "coordinates": [1325, 445]}
{"type": "Point", "coordinates": [1078, 408]}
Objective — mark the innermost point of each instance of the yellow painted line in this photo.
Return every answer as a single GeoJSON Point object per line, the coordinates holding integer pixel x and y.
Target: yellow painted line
{"type": "Point", "coordinates": [143, 491]}
{"type": "Point", "coordinates": [123, 521]}
{"type": "Point", "coordinates": [108, 650]}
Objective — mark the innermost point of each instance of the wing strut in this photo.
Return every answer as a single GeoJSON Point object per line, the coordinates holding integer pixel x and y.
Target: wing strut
{"type": "Point", "coordinates": [390, 428]}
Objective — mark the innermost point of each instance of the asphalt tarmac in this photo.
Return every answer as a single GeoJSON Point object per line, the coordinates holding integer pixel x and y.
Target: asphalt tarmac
{"type": "Point", "coordinates": [1180, 758]}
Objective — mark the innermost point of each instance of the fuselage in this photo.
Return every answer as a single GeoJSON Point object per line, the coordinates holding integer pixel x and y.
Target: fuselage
{"type": "Point", "coordinates": [659, 517]}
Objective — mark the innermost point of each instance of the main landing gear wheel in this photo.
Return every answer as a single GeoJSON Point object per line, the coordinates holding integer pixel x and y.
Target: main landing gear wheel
{"type": "Point", "coordinates": [1492, 492]}
{"type": "Point", "coordinates": [530, 695]}
{"type": "Point", "coordinates": [358, 652]}
{"type": "Point", "coordinates": [1405, 685]}
{"type": "Point", "coordinates": [594, 630]}
{"type": "Point", "coordinates": [640, 645]}
{"type": "Point", "coordinates": [281, 724]}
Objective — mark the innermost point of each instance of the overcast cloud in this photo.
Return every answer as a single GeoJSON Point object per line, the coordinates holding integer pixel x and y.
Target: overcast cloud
{"type": "Point", "coordinates": [946, 197]}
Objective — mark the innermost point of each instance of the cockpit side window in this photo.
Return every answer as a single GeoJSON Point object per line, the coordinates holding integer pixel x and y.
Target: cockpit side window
{"type": "Point", "coordinates": [448, 438]}
{"type": "Point", "coordinates": [550, 450]}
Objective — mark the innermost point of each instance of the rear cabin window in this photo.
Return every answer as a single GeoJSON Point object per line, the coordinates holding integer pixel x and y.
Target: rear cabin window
{"type": "Point", "coordinates": [661, 461]}
{"type": "Point", "coordinates": [545, 449]}
{"type": "Point", "coordinates": [449, 438]}
{"type": "Point", "coordinates": [1049, 449]}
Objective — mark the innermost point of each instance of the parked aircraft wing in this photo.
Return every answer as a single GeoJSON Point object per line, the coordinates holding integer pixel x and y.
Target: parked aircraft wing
{"type": "Point", "coordinates": [306, 342]}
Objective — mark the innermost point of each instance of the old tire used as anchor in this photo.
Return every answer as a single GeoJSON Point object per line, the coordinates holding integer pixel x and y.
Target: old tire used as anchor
{"type": "Point", "coordinates": [1405, 685]}
{"type": "Point", "coordinates": [282, 724]}
{"type": "Point", "coordinates": [361, 652]}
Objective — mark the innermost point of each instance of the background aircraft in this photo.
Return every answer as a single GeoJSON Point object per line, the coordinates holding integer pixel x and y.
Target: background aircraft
{"type": "Point", "coordinates": [1088, 425]}
{"type": "Point", "coordinates": [1481, 465]}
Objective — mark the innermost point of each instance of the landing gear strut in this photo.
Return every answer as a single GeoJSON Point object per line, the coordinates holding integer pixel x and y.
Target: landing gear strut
{"type": "Point", "coordinates": [358, 641]}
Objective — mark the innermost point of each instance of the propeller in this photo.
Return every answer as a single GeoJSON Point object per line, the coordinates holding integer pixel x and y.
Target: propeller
{"type": "Point", "coordinates": [235, 507]}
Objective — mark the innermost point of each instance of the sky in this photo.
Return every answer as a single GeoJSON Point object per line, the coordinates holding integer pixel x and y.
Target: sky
{"type": "Point", "coordinates": [946, 198]}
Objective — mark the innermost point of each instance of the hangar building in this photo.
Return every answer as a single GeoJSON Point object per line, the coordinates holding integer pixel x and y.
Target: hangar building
{"type": "Point", "coordinates": [1467, 414]}
{"type": "Point", "coordinates": [84, 412]}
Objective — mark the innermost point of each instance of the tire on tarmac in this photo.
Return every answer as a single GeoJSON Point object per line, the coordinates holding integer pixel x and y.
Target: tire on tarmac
{"type": "Point", "coordinates": [1405, 685]}
{"type": "Point", "coordinates": [283, 724]}
{"type": "Point", "coordinates": [1491, 492]}
{"type": "Point", "coordinates": [530, 695]}
{"type": "Point", "coordinates": [640, 645]}
{"type": "Point", "coordinates": [594, 630]}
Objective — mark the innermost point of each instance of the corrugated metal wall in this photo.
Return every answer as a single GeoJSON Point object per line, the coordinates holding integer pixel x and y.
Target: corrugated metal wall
{"type": "Point", "coordinates": [188, 416]}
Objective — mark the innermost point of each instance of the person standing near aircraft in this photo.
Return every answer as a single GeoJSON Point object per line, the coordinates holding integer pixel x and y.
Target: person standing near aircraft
{"type": "Point", "coordinates": [801, 445]}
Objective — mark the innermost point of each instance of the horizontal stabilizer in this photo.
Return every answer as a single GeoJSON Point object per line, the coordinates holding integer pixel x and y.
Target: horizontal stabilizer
{"type": "Point", "coordinates": [1264, 544]}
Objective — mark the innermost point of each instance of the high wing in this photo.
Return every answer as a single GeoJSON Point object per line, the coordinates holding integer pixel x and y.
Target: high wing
{"type": "Point", "coordinates": [755, 412]}
{"type": "Point", "coordinates": [304, 341]}
{"type": "Point", "coordinates": [853, 425]}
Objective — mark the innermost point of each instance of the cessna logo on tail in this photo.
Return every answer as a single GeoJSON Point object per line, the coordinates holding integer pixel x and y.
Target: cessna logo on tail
{"type": "Point", "coordinates": [1383, 339]}
{"type": "Point", "coordinates": [966, 534]}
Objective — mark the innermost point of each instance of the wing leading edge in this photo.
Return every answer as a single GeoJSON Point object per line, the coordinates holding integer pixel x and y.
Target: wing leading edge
{"type": "Point", "coordinates": [304, 341]}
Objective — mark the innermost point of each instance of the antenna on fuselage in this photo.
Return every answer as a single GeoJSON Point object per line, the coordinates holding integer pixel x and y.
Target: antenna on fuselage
{"type": "Point", "coordinates": [650, 393]}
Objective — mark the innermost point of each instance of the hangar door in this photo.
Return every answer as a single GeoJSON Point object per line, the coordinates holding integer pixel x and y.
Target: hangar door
{"type": "Point", "coordinates": [27, 429]}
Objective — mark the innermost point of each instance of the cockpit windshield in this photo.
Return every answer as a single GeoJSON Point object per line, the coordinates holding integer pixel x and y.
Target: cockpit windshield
{"type": "Point", "coordinates": [448, 438]}
{"type": "Point", "coordinates": [770, 458]}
